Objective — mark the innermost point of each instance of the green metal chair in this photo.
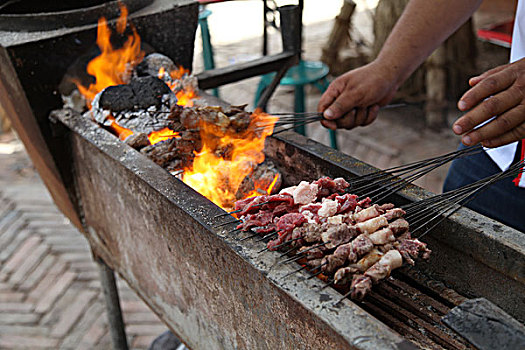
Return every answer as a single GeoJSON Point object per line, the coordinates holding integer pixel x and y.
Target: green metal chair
{"type": "Point", "coordinates": [207, 49]}
{"type": "Point", "coordinates": [305, 73]}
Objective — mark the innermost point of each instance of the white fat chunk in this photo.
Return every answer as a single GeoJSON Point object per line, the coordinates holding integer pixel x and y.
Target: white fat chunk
{"type": "Point", "coordinates": [305, 193]}
{"type": "Point", "coordinates": [288, 190]}
{"type": "Point", "coordinates": [328, 208]}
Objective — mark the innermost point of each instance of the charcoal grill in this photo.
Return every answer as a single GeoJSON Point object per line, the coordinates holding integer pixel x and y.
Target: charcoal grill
{"type": "Point", "coordinates": [215, 291]}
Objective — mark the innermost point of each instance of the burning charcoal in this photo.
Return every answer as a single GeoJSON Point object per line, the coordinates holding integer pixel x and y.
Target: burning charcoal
{"type": "Point", "coordinates": [163, 152]}
{"type": "Point", "coordinates": [138, 140]}
{"type": "Point", "coordinates": [261, 178]}
{"type": "Point", "coordinates": [153, 63]}
{"type": "Point", "coordinates": [189, 118]}
{"type": "Point", "coordinates": [140, 93]}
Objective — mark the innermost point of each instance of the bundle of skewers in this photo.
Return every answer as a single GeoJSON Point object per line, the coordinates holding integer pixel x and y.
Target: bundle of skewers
{"type": "Point", "coordinates": [339, 231]}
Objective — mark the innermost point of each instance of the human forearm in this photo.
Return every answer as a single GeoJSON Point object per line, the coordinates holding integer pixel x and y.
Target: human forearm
{"type": "Point", "coordinates": [422, 27]}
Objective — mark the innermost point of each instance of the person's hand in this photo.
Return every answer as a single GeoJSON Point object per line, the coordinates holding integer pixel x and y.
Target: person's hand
{"type": "Point", "coordinates": [354, 98]}
{"type": "Point", "coordinates": [498, 92]}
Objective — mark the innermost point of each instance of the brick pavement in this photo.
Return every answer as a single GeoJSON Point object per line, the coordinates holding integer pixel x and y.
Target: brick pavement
{"type": "Point", "coordinates": [50, 295]}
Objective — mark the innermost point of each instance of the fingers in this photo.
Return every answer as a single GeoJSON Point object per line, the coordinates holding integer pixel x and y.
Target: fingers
{"type": "Point", "coordinates": [342, 105]}
{"type": "Point", "coordinates": [492, 106]}
{"type": "Point", "coordinates": [347, 121]}
{"type": "Point", "coordinates": [475, 80]}
{"type": "Point", "coordinates": [486, 87]}
{"type": "Point", "coordinates": [329, 96]}
{"type": "Point", "coordinates": [361, 116]}
{"type": "Point", "coordinates": [515, 134]}
{"type": "Point", "coordinates": [502, 124]}
{"type": "Point", "coordinates": [356, 117]}
{"type": "Point", "coordinates": [372, 114]}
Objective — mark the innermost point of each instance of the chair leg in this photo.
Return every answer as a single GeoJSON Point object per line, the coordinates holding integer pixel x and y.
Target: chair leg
{"type": "Point", "coordinates": [207, 49]}
{"type": "Point", "coordinates": [299, 107]}
{"type": "Point", "coordinates": [333, 138]}
{"type": "Point", "coordinates": [260, 89]}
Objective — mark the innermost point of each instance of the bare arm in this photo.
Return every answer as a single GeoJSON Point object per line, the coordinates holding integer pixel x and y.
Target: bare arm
{"type": "Point", "coordinates": [354, 98]}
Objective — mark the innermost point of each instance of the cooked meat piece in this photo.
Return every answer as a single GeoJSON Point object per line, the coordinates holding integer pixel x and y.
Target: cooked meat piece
{"type": "Point", "coordinates": [399, 226]}
{"type": "Point", "coordinates": [364, 203]}
{"type": "Point", "coordinates": [343, 253]}
{"type": "Point", "coordinates": [330, 186]}
{"type": "Point", "coordinates": [305, 193]}
{"type": "Point", "coordinates": [361, 245]}
{"type": "Point", "coordinates": [344, 274]}
{"type": "Point", "coordinates": [368, 260]}
{"type": "Point", "coordinates": [395, 213]}
{"type": "Point", "coordinates": [316, 253]}
{"type": "Point", "coordinates": [314, 263]}
{"type": "Point", "coordinates": [309, 232]}
{"type": "Point", "coordinates": [348, 252]}
{"type": "Point", "coordinates": [386, 206]}
{"type": "Point", "coordinates": [336, 219]}
{"type": "Point", "coordinates": [410, 249]}
{"type": "Point", "coordinates": [339, 234]}
{"type": "Point", "coordinates": [328, 208]}
{"type": "Point", "coordinates": [360, 287]}
{"type": "Point", "coordinates": [382, 269]}
{"type": "Point", "coordinates": [367, 214]}
{"type": "Point", "coordinates": [371, 225]}
{"type": "Point", "coordinates": [382, 236]}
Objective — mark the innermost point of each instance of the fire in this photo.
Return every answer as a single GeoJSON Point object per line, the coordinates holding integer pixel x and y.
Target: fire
{"type": "Point", "coordinates": [161, 135]}
{"type": "Point", "coordinates": [225, 158]}
{"type": "Point", "coordinates": [122, 133]}
{"type": "Point", "coordinates": [217, 177]}
{"type": "Point", "coordinates": [112, 66]}
{"type": "Point", "coordinates": [186, 95]}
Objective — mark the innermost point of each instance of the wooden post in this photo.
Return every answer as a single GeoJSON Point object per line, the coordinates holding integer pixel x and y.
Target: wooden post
{"type": "Point", "coordinates": [5, 123]}
{"type": "Point", "coordinates": [14, 105]}
{"type": "Point", "coordinates": [436, 86]}
{"type": "Point", "coordinates": [339, 37]}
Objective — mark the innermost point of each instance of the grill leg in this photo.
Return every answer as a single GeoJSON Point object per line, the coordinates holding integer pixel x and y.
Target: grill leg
{"type": "Point", "coordinates": [116, 323]}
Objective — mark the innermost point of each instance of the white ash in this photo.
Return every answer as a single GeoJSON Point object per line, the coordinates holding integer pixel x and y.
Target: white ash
{"type": "Point", "coordinates": [74, 101]}
{"type": "Point", "coordinates": [140, 121]}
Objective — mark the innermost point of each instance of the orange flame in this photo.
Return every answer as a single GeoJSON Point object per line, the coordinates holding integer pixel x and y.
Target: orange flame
{"type": "Point", "coordinates": [217, 178]}
{"type": "Point", "coordinates": [112, 66]}
{"type": "Point", "coordinates": [185, 96]}
{"type": "Point", "coordinates": [122, 133]}
{"type": "Point", "coordinates": [161, 135]}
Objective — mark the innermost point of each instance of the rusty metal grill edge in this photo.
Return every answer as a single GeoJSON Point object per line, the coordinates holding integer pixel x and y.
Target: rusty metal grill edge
{"type": "Point", "coordinates": [217, 292]}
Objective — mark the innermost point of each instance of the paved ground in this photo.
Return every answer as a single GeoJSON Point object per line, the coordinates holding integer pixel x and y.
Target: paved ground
{"type": "Point", "coordinates": [50, 296]}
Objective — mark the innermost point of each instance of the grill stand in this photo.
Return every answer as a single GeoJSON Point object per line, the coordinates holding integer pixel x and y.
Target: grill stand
{"type": "Point", "coordinates": [115, 320]}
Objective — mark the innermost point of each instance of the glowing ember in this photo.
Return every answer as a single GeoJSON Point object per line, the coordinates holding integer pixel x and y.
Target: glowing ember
{"type": "Point", "coordinates": [164, 134]}
{"type": "Point", "coordinates": [218, 178]}
{"type": "Point", "coordinates": [226, 157]}
{"type": "Point", "coordinates": [185, 94]}
{"type": "Point", "coordinates": [112, 66]}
